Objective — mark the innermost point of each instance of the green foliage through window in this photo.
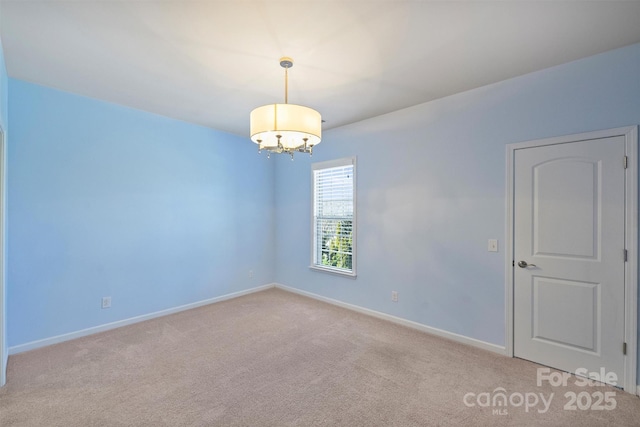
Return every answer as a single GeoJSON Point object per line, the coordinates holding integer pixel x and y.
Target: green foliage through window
{"type": "Point", "coordinates": [337, 247]}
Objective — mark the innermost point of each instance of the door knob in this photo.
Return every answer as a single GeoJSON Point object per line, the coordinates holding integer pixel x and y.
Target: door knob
{"type": "Point", "coordinates": [523, 264]}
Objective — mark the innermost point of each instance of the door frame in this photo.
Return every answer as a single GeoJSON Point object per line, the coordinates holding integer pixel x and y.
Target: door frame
{"type": "Point", "coordinates": [630, 133]}
{"type": "Point", "coordinates": [3, 302]}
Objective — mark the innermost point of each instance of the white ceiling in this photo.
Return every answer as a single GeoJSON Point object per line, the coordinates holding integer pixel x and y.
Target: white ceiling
{"type": "Point", "coordinates": [212, 62]}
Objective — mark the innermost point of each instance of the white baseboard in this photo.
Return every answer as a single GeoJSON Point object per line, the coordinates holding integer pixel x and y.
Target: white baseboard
{"type": "Point", "coordinates": [409, 323]}
{"type": "Point", "coordinates": [101, 328]}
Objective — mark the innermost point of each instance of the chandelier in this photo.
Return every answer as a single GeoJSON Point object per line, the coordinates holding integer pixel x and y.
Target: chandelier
{"type": "Point", "coordinates": [285, 128]}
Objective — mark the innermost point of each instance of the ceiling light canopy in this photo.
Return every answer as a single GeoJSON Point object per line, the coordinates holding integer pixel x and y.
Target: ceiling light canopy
{"type": "Point", "coordinates": [285, 128]}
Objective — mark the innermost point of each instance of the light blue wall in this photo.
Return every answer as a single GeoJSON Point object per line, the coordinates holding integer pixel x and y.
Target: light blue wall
{"type": "Point", "coordinates": [110, 201]}
{"type": "Point", "coordinates": [4, 121]}
{"type": "Point", "coordinates": [431, 191]}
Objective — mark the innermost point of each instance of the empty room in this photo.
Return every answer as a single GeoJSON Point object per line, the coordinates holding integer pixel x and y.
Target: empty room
{"type": "Point", "coordinates": [319, 213]}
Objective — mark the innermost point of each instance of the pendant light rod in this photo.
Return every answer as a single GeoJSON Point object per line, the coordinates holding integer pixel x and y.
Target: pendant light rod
{"type": "Point", "coordinates": [286, 85]}
{"type": "Point", "coordinates": [286, 63]}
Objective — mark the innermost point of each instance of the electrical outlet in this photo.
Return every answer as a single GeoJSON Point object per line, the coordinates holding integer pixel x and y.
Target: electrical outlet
{"type": "Point", "coordinates": [106, 302]}
{"type": "Point", "coordinates": [250, 274]}
{"type": "Point", "coordinates": [394, 296]}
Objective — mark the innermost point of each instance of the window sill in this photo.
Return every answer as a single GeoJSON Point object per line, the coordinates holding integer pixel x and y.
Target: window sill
{"type": "Point", "coordinates": [334, 271]}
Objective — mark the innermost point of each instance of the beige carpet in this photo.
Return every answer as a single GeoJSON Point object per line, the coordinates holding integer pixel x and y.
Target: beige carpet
{"type": "Point", "coordinates": [278, 359]}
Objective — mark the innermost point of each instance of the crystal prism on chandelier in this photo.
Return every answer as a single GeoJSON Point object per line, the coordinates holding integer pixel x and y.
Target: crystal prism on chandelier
{"type": "Point", "coordinates": [286, 128]}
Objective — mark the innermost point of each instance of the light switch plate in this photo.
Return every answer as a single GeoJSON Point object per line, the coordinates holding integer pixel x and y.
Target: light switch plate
{"type": "Point", "coordinates": [493, 245]}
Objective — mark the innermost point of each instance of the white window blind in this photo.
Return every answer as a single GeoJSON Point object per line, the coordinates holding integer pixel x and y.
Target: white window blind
{"type": "Point", "coordinates": [334, 216]}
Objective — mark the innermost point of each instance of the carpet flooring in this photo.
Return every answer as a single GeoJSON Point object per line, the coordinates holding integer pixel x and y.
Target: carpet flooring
{"type": "Point", "coordinates": [274, 358]}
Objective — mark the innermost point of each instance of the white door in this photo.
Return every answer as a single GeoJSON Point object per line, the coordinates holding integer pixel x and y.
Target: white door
{"type": "Point", "coordinates": [569, 255]}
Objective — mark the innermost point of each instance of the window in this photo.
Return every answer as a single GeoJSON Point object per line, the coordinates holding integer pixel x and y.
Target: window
{"type": "Point", "coordinates": [334, 216]}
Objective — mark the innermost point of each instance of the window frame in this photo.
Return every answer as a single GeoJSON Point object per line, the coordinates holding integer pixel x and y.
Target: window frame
{"type": "Point", "coordinates": [345, 161]}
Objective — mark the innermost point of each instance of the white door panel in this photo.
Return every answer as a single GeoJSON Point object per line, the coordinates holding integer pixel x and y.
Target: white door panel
{"type": "Point", "coordinates": [577, 210]}
{"type": "Point", "coordinates": [576, 307]}
{"type": "Point", "coordinates": [569, 219]}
